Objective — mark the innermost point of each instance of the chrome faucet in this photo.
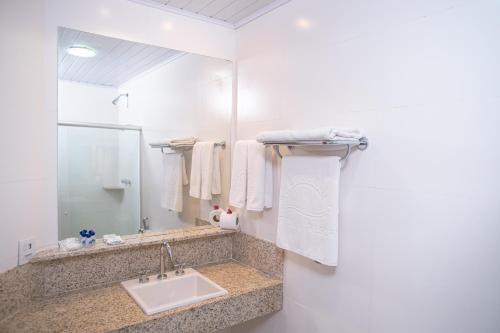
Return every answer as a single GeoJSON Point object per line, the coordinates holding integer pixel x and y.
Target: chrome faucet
{"type": "Point", "coordinates": [144, 224]}
{"type": "Point", "coordinates": [179, 268]}
{"type": "Point", "coordinates": [169, 251]}
{"type": "Point", "coordinates": [162, 274]}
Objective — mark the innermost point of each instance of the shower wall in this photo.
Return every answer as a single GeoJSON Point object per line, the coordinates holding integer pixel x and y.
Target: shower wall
{"type": "Point", "coordinates": [86, 103]}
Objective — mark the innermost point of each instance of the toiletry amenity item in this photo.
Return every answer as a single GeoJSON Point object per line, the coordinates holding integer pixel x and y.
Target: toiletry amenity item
{"type": "Point", "coordinates": [205, 171]}
{"type": "Point", "coordinates": [229, 220]}
{"type": "Point", "coordinates": [91, 238]}
{"type": "Point", "coordinates": [70, 244]}
{"type": "Point", "coordinates": [174, 179]}
{"type": "Point", "coordinates": [309, 207]}
{"type": "Point", "coordinates": [251, 176]}
{"type": "Point", "coordinates": [83, 237]}
{"type": "Point", "coordinates": [319, 134]}
{"type": "Point", "coordinates": [112, 239]}
{"type": "Point", "coordinates": [87, 238]}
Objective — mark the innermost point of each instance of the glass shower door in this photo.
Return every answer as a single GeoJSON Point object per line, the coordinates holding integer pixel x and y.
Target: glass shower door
{"type": "Point", "coordinates": [98, 180]}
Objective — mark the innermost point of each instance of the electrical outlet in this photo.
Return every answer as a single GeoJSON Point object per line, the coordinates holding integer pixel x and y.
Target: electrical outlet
{"type": "Point", "coordinates": [26, 250]}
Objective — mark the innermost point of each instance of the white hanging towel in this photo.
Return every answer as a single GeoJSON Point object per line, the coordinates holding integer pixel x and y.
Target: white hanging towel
{"type": "Point", "coordinates": [238, 191]}
{"type": "Point", "coordinates": [251, 176]}
{"type": "Point", "coordinates": [309, 207]}
{"type": "Point", "coordinates": [318, 134]}
{"type": "Point", "coordinates": [174, 177]}
{"type": "Point", "coordinates": [268, 179]}
{"type": "Point", "coordinates": [216, 176]}
{"type": "Point", "coordinates": [205, 171]}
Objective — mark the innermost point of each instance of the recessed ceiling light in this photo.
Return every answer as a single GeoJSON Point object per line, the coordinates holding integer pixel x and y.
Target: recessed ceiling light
{"type": "Point", "coordinates": [81, 51]}
{"type": "Point", "coordinates": [303, 23]}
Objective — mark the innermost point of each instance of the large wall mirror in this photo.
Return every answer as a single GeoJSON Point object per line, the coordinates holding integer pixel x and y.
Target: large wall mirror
{"type": "Point", "coordinates": [119, 104]}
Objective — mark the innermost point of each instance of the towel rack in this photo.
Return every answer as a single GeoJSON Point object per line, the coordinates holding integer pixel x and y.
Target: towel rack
{"type": "Point", "coordinates": [361, 144]}
{"type": "Point", "coordinates": [221, 144]}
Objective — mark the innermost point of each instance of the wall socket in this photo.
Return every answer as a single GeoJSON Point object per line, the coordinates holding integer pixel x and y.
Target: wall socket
{"type": "Point", "coordinates": [26, 250]}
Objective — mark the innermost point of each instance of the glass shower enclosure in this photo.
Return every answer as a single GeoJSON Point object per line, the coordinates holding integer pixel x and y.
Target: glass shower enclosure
{"type": "Point", "coordinates": [98, 179]}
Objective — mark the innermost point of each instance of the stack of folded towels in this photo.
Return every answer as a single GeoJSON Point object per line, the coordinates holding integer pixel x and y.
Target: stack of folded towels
{"type": "Point", "coordinates": [182, 142]}
{"type": "Point", "coordinates": [112, 239]}
{"type": "Point", "coordinates": [319, 134]}
{"type": "Point", "coordinates": [70, 244]}
{"type": "Point", "coordinates": [177, 143]}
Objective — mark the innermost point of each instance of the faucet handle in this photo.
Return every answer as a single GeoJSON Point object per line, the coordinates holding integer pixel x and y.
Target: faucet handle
{"type": "Point", "coordinates": [179, 269]}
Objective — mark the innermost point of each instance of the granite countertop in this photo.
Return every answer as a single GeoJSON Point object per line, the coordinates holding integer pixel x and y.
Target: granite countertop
{"type": "Point", "coordinates": [132, 241]}
{"type": "Point", "coordinates": [251, 294]}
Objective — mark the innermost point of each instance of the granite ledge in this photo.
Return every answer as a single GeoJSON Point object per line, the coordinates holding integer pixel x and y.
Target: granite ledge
{"type": "Point", "coordinates": [251, 294]}
{"type": "Point", "coordinates": [133, 241]}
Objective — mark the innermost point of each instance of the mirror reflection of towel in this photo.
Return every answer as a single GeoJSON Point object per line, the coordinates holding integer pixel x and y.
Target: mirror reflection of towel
{"type": "Point", "coordinates": [205, 171]}
{"type": "Point", "coordinates": [174, 178]}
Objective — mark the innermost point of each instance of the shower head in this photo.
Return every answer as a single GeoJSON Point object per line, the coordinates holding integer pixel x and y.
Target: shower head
{"type": "Point", "coordinates": [115, 101]}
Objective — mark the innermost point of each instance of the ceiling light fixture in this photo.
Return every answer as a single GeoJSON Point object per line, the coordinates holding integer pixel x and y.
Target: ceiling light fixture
{"type": "Point", "coordinates": [303, 23]}
{"type": "Point", "coordinates": [81, 51]}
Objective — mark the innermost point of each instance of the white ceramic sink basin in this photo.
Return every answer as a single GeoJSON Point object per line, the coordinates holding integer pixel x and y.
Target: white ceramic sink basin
{"type": "Point", "coordinates": [161, 295]}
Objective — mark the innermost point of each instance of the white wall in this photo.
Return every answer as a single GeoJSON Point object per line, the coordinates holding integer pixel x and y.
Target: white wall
{"type": "Point", "coordinates": [87, 103]}
{"type": "Point", "coordinates": [190, 96]}
{"type": "Point", "coordinates": [25, 132]}
{"type": "Point", "coordinates": [419, 224]}
{"type": "Point", "coordinates": [29, 95]}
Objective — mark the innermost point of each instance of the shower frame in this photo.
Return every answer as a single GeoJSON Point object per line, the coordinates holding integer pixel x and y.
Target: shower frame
{"type": "Point", "coordinates": [105, 126]}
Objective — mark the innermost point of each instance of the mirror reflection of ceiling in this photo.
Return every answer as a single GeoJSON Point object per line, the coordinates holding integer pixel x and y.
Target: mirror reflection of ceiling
{"type": "Point", "coordinates": [116, 60]}
{"type": "Point", "coordinates": [232, 13]}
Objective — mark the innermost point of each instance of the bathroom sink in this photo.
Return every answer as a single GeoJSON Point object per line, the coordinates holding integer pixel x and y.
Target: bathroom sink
{"type": "Point", "coordinates": [174, 291]}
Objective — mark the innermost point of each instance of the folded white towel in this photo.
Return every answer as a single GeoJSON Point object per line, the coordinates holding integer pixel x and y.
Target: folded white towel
{"type": "Point", "coordinates": [309, 207]}
{"type": "Point", "coordinates": [251, 176]}
{"type": "Point", "coordinates": [187, 140]}
{"type": "Point", "coordinates": [205, 171]}
{"type": "Point", "coordinates": [112, 239]}
{"type": "Point", "coordinates": [70, 244]}
{"type": "Point", "coordinates": [174, 177]}
{"type": "Point", "coordinates": [325, 133]}
{"type": "Point", "coordinates": [177, 142]}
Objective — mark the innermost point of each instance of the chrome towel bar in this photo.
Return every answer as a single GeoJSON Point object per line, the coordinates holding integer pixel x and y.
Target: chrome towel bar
{"type": "Point", "coordinates": [221, 144]}
{"type": "Point", "coordinates": [361, 144]}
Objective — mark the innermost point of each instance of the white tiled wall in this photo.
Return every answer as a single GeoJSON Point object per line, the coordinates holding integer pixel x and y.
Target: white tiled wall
{"type": "Point", "coordinates": [419, 223]}
{"type": "Point", "coordinates": [83, 102]}
{"type": "Point", "coordinates": [25, 139]}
